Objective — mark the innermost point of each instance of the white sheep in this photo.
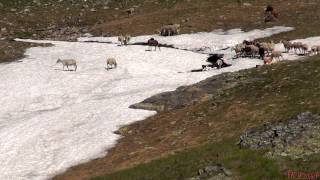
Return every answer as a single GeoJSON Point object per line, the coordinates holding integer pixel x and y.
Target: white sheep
{"type": "Point", "coordinates": [111, 63]}
{"type": "Point", "coordinates": [276, 54]}
{"type": "Point", "coordinates": [238, 49]}
{"type": "Point", "coordinates": [287, 45]}
{"type": "Point", "coordinates": [315, 49]}
{"type": "Point", "coordinates": [269, 47]}
{"type": "Point", "coordinates": [68, 62]}
{"type": "Point", "coordinates": [124, 40]}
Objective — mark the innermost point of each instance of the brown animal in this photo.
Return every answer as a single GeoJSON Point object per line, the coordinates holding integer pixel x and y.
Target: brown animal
{"type": "Point", "coordinates": [152, 42]}
{"type": "Point", "coordinates": [170, 30]}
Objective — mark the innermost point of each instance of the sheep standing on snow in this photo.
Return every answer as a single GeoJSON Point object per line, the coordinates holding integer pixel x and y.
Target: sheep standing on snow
{"type": "Point", "coordinates": [124, 40]}
{"type": "Point", "coordinates": [287, 45]}
{"type": "Point", "coordinates": [68, 62]}
{"type": "Point", "coordinates": [297, 46]}
{"type": "Point", "coordinates": [304, 49]}
{"type": "Point", "coordinates": [268, 47]}
{"type": "Point", "coordinates": [251, 50]}
{"type": "Point", "coordinates": [238, 49]}
{"type": "Point", "coordinates": [315, 50]}
{"type": "Point", "coordinates": [111, 63]}
{"type": "Point", "coordinates": [277, 54]}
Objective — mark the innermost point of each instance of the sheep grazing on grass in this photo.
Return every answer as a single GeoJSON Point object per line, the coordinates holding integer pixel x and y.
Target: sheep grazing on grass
{"type": "Point", "coordinates": [130, 11]}
{"type": "Point", "coordinates": [68, 62]}
{"type": "Point", "coordinates": [124, 40]}
{"type": "Point", "coordinates": [170, 30]}
{"type": "Point", "coordinates": [276, 54]}
{"type": "Point", "coordinates": [111, 63]}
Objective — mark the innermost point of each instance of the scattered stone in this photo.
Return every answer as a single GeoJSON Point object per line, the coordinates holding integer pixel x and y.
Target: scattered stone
{"type": "Point", "coordinates": [296, 138]}
{"type": "Point", "coordinates": [247, 4]}
{"type": "Point", "coordinates": [217, 172]}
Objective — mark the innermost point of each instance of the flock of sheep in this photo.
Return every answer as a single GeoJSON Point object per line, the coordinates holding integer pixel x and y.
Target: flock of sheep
{"type": "Point", "coordinates": [263, 50]}
{"type": "Point", "coordinates": [167, 30]}
{"type": "Point", "coordinates": [111, 63]}
{"type": "Point", "coordinates": [267, 52]}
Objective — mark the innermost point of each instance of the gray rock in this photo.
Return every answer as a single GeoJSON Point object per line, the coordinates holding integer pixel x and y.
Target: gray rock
{"type": "Point", "coordinates": [296, 137]}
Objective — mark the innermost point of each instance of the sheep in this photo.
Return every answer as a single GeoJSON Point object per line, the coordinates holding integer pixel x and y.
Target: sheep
{"type": "Point", "coordinates": [170, 30]}
{"type": "Point", "coordinates": [315, 49]}
{"type": "Point", "coordinates": [268, 60]}
{"type": "Point", "coordinates": [287, 45]}
{"type": "Point", "coordinates": [152, 42]}
{"type": "Point", "coordinates": [304, 49]}
{"type": "Point", "coordinates": [251, 50]}
{"type": "Point", "coordinates": [111, 63]}
{"type": "Point", "coordinates": [124, 40]}
{"type": "Point", "coordinates": [130, 11]}
{"type": "Point", "coordinates": [68, 62]}
{"type": "Point", "coordinates": [121, 40]}
{"type": "Point", "coordinates": [238, 49]}
{"type": "Point", "coordinates": [276, 54]}
{"type": "Point", "coordinates": [269, 47]}
{"type": "Point", "coordinates": [297, 46]}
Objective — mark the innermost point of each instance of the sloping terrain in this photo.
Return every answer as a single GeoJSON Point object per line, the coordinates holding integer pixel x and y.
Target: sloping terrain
{"type": "Point", "coordinates": [266, 94]}
{"type": "Point", "coordinates": [263, 95]}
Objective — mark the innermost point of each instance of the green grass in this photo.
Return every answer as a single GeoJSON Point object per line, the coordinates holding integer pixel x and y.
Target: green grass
{"type": "Point", "coordinates": [279, 92]}
{"type": "Point", "coordinates": [246, 163]}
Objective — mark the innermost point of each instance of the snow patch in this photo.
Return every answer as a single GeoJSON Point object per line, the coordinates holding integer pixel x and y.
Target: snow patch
{"type": "Point", "coordinates": [53, 119]}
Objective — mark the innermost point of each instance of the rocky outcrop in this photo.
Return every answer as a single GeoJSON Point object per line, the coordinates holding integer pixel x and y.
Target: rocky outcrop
{"type": "Point", "coordinates": [188, 95]}
{"type": "Point", "coordinates": [217, 172]}
{"type": "Point", "coordinates": [296, 138]}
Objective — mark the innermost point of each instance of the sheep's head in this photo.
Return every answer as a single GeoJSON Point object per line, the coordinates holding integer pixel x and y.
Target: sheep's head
{"type": "Point", "coordinates": [59, 60]}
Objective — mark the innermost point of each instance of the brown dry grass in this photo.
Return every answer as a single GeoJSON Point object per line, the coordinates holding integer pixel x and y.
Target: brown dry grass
{"type": "Point", "coordinates": [173, 131]}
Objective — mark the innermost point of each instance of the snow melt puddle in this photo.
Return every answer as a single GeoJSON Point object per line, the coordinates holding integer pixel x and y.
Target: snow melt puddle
{"type": "Point", "coordinates": [51, 120]}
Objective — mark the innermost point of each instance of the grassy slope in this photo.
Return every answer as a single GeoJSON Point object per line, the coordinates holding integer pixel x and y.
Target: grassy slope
{"type": "Point", "coordinates": [247, 106]}
{"type": "Point", "coordinates": [285, 90]}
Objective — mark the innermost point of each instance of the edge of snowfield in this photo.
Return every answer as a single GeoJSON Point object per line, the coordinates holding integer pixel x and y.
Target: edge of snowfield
{"type": "Point", "coordinates": [215, 40]}
{"type": "Point", "coordinates": [56, 119]}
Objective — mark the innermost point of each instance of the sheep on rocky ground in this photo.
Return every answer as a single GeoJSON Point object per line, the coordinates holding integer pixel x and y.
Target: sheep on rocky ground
{"type": "Point", "coordinates": [111, 63]}
{"type": "Point", "coordinates": [68, 62]}
{"type": "Point", "coordinates": [276, 54]}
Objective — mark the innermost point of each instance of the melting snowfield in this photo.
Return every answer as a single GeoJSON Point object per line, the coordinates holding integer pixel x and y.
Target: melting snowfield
{"type": "Point", "coordinates": [51, 119]}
